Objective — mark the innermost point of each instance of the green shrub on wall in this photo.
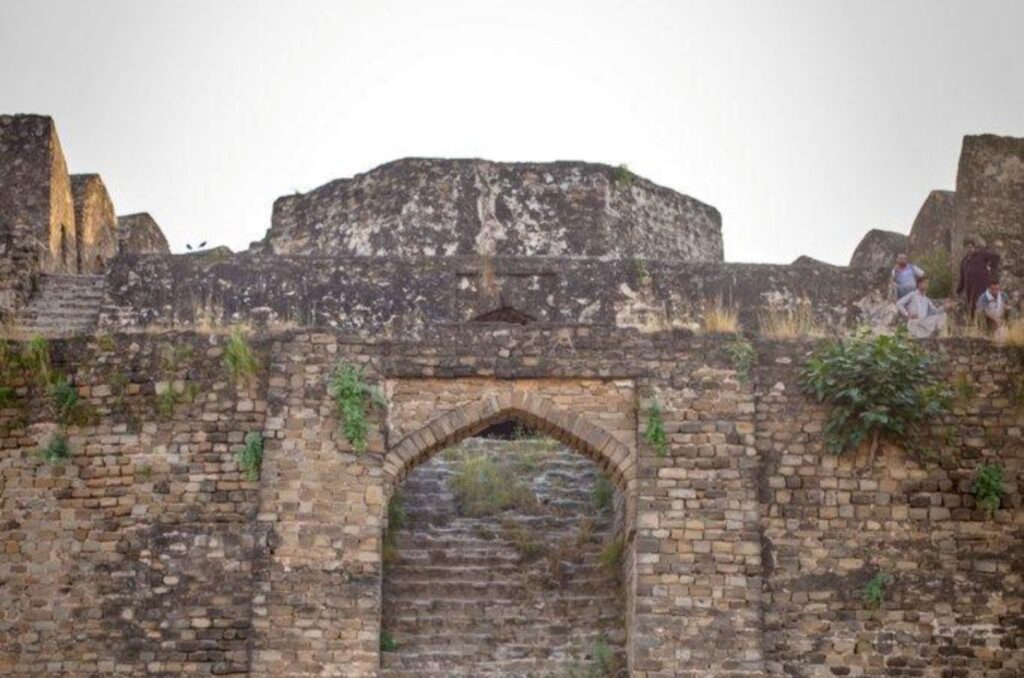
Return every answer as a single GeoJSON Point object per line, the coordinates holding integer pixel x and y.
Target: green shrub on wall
{"type": "Point", "coordinates": [239, 359]}
{"type": "Point", "coordinates": [988, 487]}
{"type": "Point", "coordinates": [57, 450]}
{"type": "Point", "coordinates": [879, 388]}
{"type": "Point", "coordinates": [35, 360]}
{"type": "Point", "coordinates": [875, 589]}
{"type": "Point", "coordinates": [352, 399]}
{"type": "Point", "coordinates": [250, 459]}
{"type": "Point", "coordinates": [742, 354]}
{"type": "Point", "coordinates": [654, 433]}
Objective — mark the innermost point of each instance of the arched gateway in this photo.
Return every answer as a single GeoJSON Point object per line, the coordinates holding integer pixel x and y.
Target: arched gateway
{"type": "Point", "coordinates": [535, 587]}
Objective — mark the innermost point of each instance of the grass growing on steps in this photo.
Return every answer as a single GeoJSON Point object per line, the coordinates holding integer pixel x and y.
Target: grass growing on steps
{"type": "Point", "coordinates": [484, 486]}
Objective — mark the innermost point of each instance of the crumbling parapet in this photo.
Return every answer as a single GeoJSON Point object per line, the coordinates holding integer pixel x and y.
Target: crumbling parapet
{"type": "Point", "coordinates": [933, 227]}
{"type": "Point", "coordinates": [878, 249]}
{"type": "Point", "coordinates": [140, 234]}
{"type": "Point", "coordinates": [95, 223]}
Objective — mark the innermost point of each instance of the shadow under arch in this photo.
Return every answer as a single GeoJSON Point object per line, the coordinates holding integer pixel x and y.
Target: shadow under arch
{"type": "Point", "coordinates": [530, 409]}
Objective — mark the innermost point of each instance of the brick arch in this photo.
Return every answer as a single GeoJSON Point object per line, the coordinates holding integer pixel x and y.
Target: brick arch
{"type": "Point", "coordinates": [536, 411]}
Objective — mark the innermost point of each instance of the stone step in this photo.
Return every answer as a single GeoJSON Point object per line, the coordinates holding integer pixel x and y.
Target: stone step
{"type": "Point", "coordinates": [461, 600]}
{"type": "Point", "coordinates": [63, 305]}
{"type": "Point", "coordinates": [402, 621]}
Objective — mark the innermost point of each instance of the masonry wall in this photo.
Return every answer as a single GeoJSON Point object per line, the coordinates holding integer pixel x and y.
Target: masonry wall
{"type": "Point", "coordinates": [137, 556]}
{"type": "Point", "coordinates": [955, 605]}
{"type": "Point", "coordinates": [438, 207]}
{"type": "Point", "coordinates": [147, 553]}
{"type": "Point", "coordinates": [393, 294]}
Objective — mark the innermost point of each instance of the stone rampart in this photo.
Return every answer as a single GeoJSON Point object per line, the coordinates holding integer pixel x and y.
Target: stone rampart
{"type": "Point", "coordinates": [147, 552]}
{"type": "Point", "coordinates": [390, 293]}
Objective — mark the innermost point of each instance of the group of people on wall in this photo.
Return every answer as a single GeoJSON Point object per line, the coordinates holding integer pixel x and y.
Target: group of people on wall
{"type": "Point", "coordinates": [985, 302]}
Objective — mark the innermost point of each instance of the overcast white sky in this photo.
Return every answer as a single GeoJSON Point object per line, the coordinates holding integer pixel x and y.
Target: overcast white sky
{"type": "Point", "coordinates": [806, 122]}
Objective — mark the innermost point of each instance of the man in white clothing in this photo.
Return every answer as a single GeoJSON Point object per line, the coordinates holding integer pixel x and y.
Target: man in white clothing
{"type": "Point", "coordinates": [993, 305]}
{"type": "Point", "coordinates": [904, 276]}
{"type": "Point", "coordinates": [924, 318]}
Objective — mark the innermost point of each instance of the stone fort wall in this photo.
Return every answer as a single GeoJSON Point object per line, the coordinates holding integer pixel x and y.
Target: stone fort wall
{"type": "Point", "coordinates": [147, 553]}
{"type": "Point", "coordinates": [395, 294]}
{"type": "Point", "coordinates": [441, 207]}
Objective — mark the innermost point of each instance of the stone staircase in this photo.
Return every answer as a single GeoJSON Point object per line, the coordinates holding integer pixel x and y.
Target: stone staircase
{"type": "Point", "coordinates": [517, 593]}
{"type": "Point", "coordinates": [63, 305]}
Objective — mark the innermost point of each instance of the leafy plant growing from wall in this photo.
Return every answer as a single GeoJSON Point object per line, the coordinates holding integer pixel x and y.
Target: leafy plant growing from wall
{"type": "Point", "coordinates": [35, 360]}
{"type": "Point", "coordinates": [239, 359]}
{"type": "Point", "coordinates": [67, 407]}
{"type": "Point", "coordinates": [387, 643]}
{"type": "Point", "coordinates": [874, 590]}
{"type": "Point", "coordinates": [7, 396]}
{"type": "Point", "coordinates": [166, 401]}
{"type": "Point", "coordinates": [988, 487]}
{"type": "Point", "coordinates": [880, 388]}
{"type": "Point", "coordinates": [250, 459]}
{"type": "Point", "coordinates": [742, 354]}
{"type": "Point", "coordinates": [654, 433]}
{"type": "Point", "coordinates": [353, 398]}
{"type": "Point", "coordinates": [57, 450]}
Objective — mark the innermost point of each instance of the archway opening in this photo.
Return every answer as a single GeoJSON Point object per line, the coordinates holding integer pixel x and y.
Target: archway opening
{"type": "Point", "coordinates": [505, 555]}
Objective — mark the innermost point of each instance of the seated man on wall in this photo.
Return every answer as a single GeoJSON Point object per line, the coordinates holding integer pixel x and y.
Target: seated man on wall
{"type": "Point", "coordinates": [994, 307]}
{"type": "Point", "coordinates": [904, 277]}
{"type": "Point", "coordinates": [924, 318]}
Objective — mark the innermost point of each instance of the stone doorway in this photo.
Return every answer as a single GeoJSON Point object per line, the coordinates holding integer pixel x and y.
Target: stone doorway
{"type": "Point", "coordinates": [527, 432]}
{"type": "Point", "coordinates": [504, 556]}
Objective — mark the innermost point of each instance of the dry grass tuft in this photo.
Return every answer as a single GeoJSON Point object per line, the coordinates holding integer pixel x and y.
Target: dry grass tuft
{"type": "Point", "coordinates": [1014, 334]}
{"type": "Point", "coordinates": [721, 318]}
{"type": "Point", "coordinates": [790, 323]}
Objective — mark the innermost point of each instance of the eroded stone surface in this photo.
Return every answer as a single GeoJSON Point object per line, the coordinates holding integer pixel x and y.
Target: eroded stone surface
{"type": "Point", "coordinates": [878, 249]}
{"type": "Point", "coordinates": [140, 234]}
{"type": "Point", "coordinates": [95, 224]}
{"type": "Point", "coordinates": [432, 207]}
{"type": "Point", "coordinates": [933, 227]}
{"type": "Point", "coordinates": [392, 294]}
{"type": "Point", "coordinates": [37, 217]}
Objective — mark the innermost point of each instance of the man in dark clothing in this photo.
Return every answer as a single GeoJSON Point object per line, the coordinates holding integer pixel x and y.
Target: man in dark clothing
{"type": "Point", "coordinates": [977, 268]}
